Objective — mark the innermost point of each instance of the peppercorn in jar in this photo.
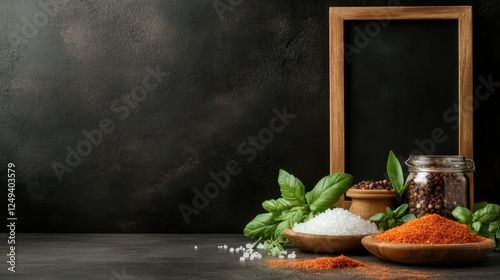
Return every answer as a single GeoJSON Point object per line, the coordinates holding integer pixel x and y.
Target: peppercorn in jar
{"type": "Point", "coordinates": [437, 184]}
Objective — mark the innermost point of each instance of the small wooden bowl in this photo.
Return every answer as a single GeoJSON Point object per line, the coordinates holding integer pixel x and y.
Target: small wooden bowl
{"type": "Point", "coordinates": [367, 203]}
{"type": "Point", "coordinates": [320, 243]}
{"type": "Point", "coordinates": [428, 254]}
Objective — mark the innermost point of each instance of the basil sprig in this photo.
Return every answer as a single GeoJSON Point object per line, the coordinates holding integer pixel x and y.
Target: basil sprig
{"type": "Point", "coordinates": [484, 220]}
{"type": "Point", "coordinates": [295, 206]}
{"type": "Point", "coordinates": [398, 216]}
{"type": "Point", "coordinates": [395, 174]}
{"type": "Point", "coordinates": [392, 218]}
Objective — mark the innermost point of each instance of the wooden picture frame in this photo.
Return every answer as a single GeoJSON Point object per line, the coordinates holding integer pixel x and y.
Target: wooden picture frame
{"type": "Point", "coordinates": [337, 18]}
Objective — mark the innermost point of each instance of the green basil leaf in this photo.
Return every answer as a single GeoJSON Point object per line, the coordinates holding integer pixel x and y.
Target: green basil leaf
{"type": "Point", "coordinates": [389, 212]}
{"type": "Point", "coordinates": [267, 244]}
{"type": "Point", "coordinates": [480, 205]}
{"type": "Point", "coordinates": [289, 214]}
{"type": "Point", "coordinates": [275, 251]}
{"type": "Point", "coordinates": [311, 215]}
{"type": "Point", "coordinates": [276, 206]}
{"type": "Point", "coordinates": [291, 188]}
{"type": "Point", "coordinates": [378, 217]}
{"type": "Point", "coordinates": [401, 210]}
{"type": "Point", "coordinates": [462, 215]}
{"type": "Point", "coordinates": [408, 217]}
{"type": "Point", "coordinates": [497, 235]}
{"type": "Point", "coordinates": [483, 231]}
{"type": "Point", "coordinates": [328, 191]}
{"type": "Point", "coordinates": [394, 171]}
{"type": "Point", "coordinates": [391, 223]}
{"type": "Point", "coordinates": [476, 227]}
{"type": "Point", "coordinates": [262, 226]}
{"type": "Point", "coordinates": [487, 214]}
{"type": "Point", "coordinates": [382, 226]}
{"type": "Point", "coordinates": [494, 226]}
{"type": "Point", "coordinates": [294, 217]}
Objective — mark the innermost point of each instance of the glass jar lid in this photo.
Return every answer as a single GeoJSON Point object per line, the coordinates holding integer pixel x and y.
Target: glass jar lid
{"type": "Point", "coordinates": [452, 163]}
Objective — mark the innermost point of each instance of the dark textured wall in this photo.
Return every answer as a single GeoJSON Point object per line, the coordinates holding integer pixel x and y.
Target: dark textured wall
{"type": "Point", "coordinates": [164, 99]}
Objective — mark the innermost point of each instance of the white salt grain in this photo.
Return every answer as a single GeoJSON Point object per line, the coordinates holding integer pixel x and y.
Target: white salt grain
{"type": "Point", "coordinates": [242, 258]}
{"type": "Point", "coordinates": [256, 255]}
{"type": "Point", "coordinates": [260, 246]}
{"type": "Point", "coordinates": [336, 221]}
{"type": "Point", "coordinates": [291, 256]}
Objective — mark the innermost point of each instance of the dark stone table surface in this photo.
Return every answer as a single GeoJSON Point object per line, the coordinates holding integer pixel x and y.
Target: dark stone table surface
{"type": "Point", "coordinates": [173, 256]}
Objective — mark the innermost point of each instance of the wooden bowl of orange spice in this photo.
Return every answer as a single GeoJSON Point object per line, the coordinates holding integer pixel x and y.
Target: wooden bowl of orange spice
{"type": "Point", "coordinates": [429, 240]}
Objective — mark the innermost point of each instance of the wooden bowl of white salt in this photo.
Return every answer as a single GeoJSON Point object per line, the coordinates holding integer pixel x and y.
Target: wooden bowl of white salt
{"type": "Point", "coordinates": [321, 243]}
{"type": "Point", "coordinates": [334, 231]}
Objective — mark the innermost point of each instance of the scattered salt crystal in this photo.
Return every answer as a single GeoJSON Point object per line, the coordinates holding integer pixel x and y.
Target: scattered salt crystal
{"type": "Point", "coordinates": [252, 257]}
{"type": "Point", "coordinates": [250, 250]}
{"type": "Point", "coordinates": [246, 255]}
{"type": "Point", "coordinates": [248, 245]}
{"type": "Point", "coordinates": [195, 247]}
{"type": "Point", "coordinates": [336, 221]}
{"type": "Point", "coordinates": [255, 254]}
{"type": "Point", "coordinates": [291, 256]}
{"type": "Point", "coordinates": [225, 246]}
{"type": "Point", "coordinates": [260, 246]}
{"type": "Point", "coordinates": [281, 256]}
{"type": "Point", "coordinates": [242, 258]}
{"type": "Point", "coordinates": [231, 249]}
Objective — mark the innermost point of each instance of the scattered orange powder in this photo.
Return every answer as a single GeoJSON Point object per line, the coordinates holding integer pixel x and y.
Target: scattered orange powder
{"type": "Point", "coordinates": [375, 271]}
{"type": "Point", "coordinates": [319, 263]}
{"type": "Point", "coordinates": [367, 270]}
{"type": "Point", "coordinates": [430, 229]}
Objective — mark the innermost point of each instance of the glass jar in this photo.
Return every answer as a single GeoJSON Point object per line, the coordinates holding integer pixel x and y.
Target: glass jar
{"type": "Point", "coordinates": [437, 184]}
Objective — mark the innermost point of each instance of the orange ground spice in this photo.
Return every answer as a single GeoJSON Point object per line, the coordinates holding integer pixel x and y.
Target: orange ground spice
{"type": "Point", "coordinates": [319, 263]}
{"type": "Point", "coordinates": [430, 229]}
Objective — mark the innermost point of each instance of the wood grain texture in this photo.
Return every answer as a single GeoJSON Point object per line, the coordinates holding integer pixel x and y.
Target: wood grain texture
{"type": "Point", "coordinates": [320, 243]}
{"type": "Point", "coordinates": [465, 91]}
{"type": "Point", "coordinates": [400, 12]}
{"type": "Point", "coordinates": [428, 254]}
{"type": "Point", "coordinates": [337, 151]}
